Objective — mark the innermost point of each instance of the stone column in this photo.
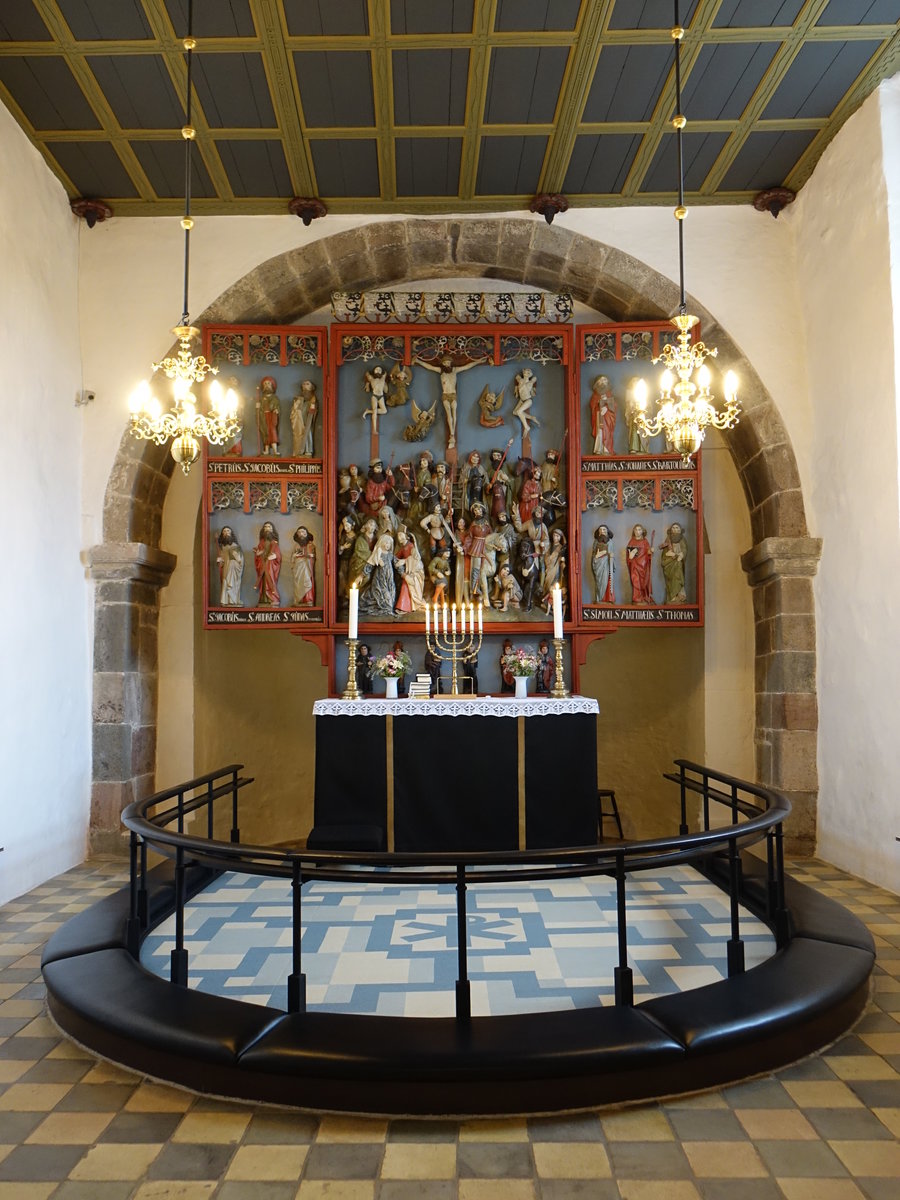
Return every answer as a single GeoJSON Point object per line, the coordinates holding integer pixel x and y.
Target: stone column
{"type": "Point", "coordinates": [780, 571]}
{"type": "Point", "coordinates": [128, 577]}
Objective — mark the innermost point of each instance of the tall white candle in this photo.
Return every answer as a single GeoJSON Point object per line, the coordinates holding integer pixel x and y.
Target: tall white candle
{"type": "Point", "coordinates": [462, 618]}
{"type": "Point", "coordinates": [557, 611]}
{"type": "Point", "coordinates": [471, 618]}
{"type": "Point", "coordinates": [353, 624]}
{"type": "Point", "coordinates": [437, 618]}
{"type": "Point", "coordinates": [445, 619]}
{"type": "Point", "coordinates": [480, 611]}
{"type": "Point", "coordinates": [427, 620]}
{"type": "Point", "coordinates": [453, 618]}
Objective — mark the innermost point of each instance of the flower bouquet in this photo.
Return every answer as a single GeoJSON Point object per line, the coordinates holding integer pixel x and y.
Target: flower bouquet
{"type": "Point", "coordinates": [391, 667]}
{"type": "Point", "coordinates": [521, 663]}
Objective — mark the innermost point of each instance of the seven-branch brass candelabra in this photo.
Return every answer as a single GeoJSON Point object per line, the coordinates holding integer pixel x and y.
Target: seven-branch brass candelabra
{"type": "Point", "coordinates": [454, 648]}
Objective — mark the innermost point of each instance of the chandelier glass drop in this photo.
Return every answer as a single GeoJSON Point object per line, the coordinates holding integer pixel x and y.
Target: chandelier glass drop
{"type": "Point", "coordinates": [685, 408]}
{"type": "Point", "coordinates": [182, 422]}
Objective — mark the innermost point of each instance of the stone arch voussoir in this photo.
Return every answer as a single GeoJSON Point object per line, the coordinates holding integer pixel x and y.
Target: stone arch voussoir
{"type": "Point", "coordinates": [130, 568]}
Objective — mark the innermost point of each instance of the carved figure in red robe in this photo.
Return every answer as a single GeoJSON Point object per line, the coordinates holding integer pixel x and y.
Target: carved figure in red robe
{"type": "Point", "coordinates": [603, 416]}
{"type": "Point", "coordinates": [267, 557]}
{"type": "Point", "coordinates": [639, 554]}
{"type": "Point", "coordinates": [530, 495]}
{"type": "Point", "coordinates": [269, 407]}
{"type": "Point", "coordinates": [378, 484]}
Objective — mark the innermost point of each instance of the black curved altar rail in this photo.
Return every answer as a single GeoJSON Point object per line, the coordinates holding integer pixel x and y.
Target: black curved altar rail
{"type": "Point", "coordinates": [757, 814]}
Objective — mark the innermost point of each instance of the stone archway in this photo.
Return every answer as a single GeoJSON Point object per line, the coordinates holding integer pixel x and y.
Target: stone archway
{"type": "Point", "coordinates": [129, 568]}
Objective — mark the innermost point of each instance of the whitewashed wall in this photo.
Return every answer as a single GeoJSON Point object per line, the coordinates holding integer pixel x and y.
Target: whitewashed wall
{"type": "Point", "coordinates": [44, 617]}
{"type": "Point", "coordinates": [848, 239]}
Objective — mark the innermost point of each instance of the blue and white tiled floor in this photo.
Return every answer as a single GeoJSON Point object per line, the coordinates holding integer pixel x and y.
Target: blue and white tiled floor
{"type": "Point", "coordinates": [391, 949]}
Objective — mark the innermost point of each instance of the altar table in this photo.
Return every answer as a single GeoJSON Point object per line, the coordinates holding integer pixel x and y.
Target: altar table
{"type": "Point", "coordinates": [460, 773]}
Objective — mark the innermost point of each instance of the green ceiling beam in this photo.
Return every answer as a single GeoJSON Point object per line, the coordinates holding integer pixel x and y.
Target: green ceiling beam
{"type": "Point", "coordinates": [476, 90]}
{"type": "Point", "coordinates": [769, 84]}
{"type": "Point", "coordinates": [383, 98]}
{"type": "Point", "coordinates": [660, 122]}
{"type": "Point", "coordinates": [171, 50]}
{"type": "Point", "coordinates": [593, 19]}
{"type": "Point", "coordinates": [267, 15]}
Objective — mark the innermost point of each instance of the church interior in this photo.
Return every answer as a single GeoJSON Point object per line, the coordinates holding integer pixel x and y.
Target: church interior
{"type": "Point", "coordinates": [706, 1024]}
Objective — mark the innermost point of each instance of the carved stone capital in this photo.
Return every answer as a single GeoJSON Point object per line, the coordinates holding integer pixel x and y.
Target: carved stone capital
{"type": "Point", "coordinates": [131, 561]}
{"type": "Point", "coordinates": [781, 558]}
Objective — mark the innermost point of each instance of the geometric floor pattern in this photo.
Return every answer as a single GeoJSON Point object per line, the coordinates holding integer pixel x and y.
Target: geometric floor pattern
{"type": "Point", "coordinates": [391, 949]}
{"type": "Point", "coordinates": [75, 1128]}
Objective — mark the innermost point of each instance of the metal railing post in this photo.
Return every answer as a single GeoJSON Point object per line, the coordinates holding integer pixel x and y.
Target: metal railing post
{"type": "Point", "coordinates": [735, 948]}
{"type": "Point", "coordinates": [782, 917]}
{"type": "Point", "coordinates": [179, 956]}
{"type": "Point", "coordinates": [209, 810]}
{"type": "Point", "coordinates": [296, 984]}
{"type": "Point", "coordinates": [235, 829]}
{"type": "Point", "coordinates": [143, 899]}
{"type": "Point", "coordinates": [683, 828]}
{"type": "Point", "coordinates": [133, 924]}
{"type": "Point", "coordinates": [463, 990]}
{"type": "Point", "coordinates": [624, 979]}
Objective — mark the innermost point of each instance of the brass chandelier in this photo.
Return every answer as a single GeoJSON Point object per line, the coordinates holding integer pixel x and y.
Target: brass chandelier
{"type": "Point", "coordinates": [182, 422]}
{"type": "Point", "coordinates": [685, 408]}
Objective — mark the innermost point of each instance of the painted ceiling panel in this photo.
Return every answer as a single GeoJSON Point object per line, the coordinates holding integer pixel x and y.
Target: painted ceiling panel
{"type": "Point", "coordinates": [106, 20]}
{"type": "Point", "coordinates": [523, 84]}
{"type": "Point", "coordinates": [233, 91]}
{"type": "Point", "coordinates": [861, 12]}
{"type": "Point", "coordinates": [20, 23]}
{"type": "Point", "coordinates": [346, 167]}
{"type": "Point", "coordinates": [519, 15]}
{"type": "Point", "coordinates": [328, 18]}
{"type": "Point", "coordinates": [94, 168]}
{"type": "Point", "coordinates": [335, 87]}
{"type": "Point", "coordinates": [600, 164]}
{"type": "Point", "coordinates": [627, 83]}
{"type": "Point", "coordinates": [818, 77]}
{"type": "Point", "coordinates": [510, 165]}
{"type": "Point", "coordinates": [139, 90]}
{"type": "Point", "coordinates": [163, 164]}
{"type": "Point", "coordinates": [765, 160]}
{"type": "Point", "coordinates": [46, 91]}
{"type": "Point", "coordinates": [514, 92]}
{"type": "Point", "coordinates": [724, 79]}
{"type": "Point", "coordinates": [255, 168]}
{"type": "Point", "coordinates": [428, 166]}
{"type": "Point", "coordinates": [649, 14]}
{"type": "Point", "coordinates": [430, 86]}
{"type": "Point", "coordinates": [736, 13]}
{"type": "Point", "coordinates": [431, 16]}
{"type": "Point", "coordinates": [213, 18]}
{"type": "Point", "coordinates": [700, 153]}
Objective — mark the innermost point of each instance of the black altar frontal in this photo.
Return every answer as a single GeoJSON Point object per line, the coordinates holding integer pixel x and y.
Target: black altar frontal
{"type": "Point", "coordinates": [448, 774]}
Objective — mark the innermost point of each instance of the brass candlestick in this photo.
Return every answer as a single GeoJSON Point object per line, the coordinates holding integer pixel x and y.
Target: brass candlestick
{"type": "Point", "coordinates": [559, 690]}
{"type": "Point", "coordinates": [351, 691]}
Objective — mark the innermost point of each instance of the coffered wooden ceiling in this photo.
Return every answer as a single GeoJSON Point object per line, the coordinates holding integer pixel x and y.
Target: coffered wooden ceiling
{"type": "Point", "coordinates": [436, 105]}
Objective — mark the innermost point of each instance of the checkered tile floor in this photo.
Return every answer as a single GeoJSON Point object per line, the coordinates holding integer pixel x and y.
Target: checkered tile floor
{"type": "Point", "coordinates": [73, 1128]}
{"type": "Point", "coordinates": [392, 949]}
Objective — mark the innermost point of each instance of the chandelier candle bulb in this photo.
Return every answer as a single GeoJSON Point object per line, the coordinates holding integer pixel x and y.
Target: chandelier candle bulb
{"type": "Point", "coordinates": [353, 623]}
{"type": "Point", "coordinates": [557, 611]}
